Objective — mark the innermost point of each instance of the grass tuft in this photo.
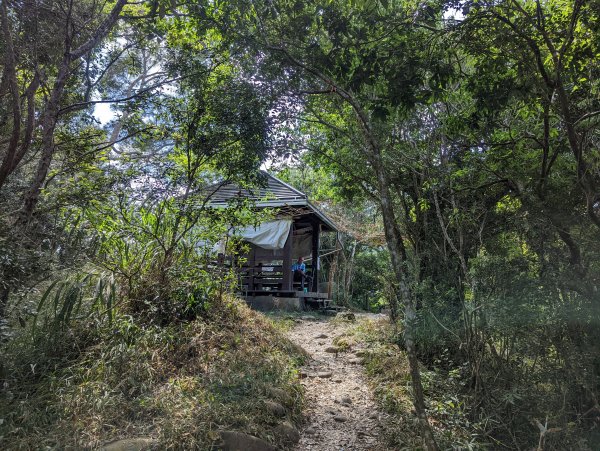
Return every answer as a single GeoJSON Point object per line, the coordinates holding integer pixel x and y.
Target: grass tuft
{"type": "Point", "coordinates": [389, 375]}
{"type": "Point", "coordinates": [178, 384]}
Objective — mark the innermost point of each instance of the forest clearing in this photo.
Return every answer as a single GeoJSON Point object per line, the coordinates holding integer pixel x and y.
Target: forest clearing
{"type": "Point", "coordinates": [300, 225]}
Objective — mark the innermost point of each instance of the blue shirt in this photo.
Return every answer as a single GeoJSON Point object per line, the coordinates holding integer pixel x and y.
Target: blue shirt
{"type": "Point", "coordinates": [301, 267]}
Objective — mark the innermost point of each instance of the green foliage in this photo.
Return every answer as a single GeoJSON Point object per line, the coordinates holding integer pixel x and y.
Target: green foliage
{"type": "Point", "coordinates": [164, 254]}
{"type": "Point", "coordinates": [318, 184]}
{"type": "Point", "coordinates": [477, 132]}
{"type": "Point", "coordinates": [183, 380]}
{"type": "Point", "coordinates": [371, 286]}
{"type": "Point", "coordinates": [481, 132]}
{"type": "Point", "coordinates": [74, 299]}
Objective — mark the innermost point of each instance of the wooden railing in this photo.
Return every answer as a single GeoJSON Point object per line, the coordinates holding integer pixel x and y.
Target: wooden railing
{"type": "Point", "coordinates": [265, 277]}
{"type": "Point", "coordinates": [262, 277]}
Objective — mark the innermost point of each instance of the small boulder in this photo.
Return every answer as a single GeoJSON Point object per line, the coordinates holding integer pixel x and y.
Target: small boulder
{"type": "Point", "coordinates": [288, 432]}
{"type": "Point", "coordinates": [373, 416]}
{"type": "Point", "coordinates": [130, 444]}
{"type": "Point", "coordinates": [280, 395]}
{"type": "Point", "coordinates": [321, 336]}
{"type": "Point", "coordinates": [324, 374]}
{"type": "Point", "coordinates": [238, 441]}
{"type": "Point", "coordinates": [340, 418]}
{"type": "Point", "coordinates": [310, 431]}
{"type": "Point", "coordinates": [355, 361]}
{"type": "Point", "coordinates": [346, 400]}
{"type": "Point", "coordinates": [275, 408]}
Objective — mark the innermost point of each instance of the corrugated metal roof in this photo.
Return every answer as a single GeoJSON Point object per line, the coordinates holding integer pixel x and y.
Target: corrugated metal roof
{"type": "Point", "coordinates": [275, 193]}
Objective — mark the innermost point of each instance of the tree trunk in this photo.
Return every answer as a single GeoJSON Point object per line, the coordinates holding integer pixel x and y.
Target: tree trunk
{"type": "Point", "coordinates": [373, 154]}
{"type": "Point", "coordinates": [399, 264]}
{"type": "Point", "coordinates": [4, 293]}
{"type": "Point", "coordinates": [48, 125]}
{"type": "Point", "coordinates": [10, 75]}
{"type": "Point", "coordinates": [349, 274]}
{"type": "Point", "coordinates": [51, 113]}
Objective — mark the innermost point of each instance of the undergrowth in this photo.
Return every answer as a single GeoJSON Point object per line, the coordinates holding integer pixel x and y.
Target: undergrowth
{"type": "Point", "coordinates": [179, 384]}
{"type": "Point", "coordinates": [285, 321]}
{"type": "Point", "coordinates": [457, 423]}
{"type": "Point", "coordinates": [388, 372]}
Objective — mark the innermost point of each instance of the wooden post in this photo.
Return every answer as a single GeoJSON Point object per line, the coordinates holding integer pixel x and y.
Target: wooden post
{"type": "Point", "coordinates": [287, 261]}
{"type": "Point", "coordinates": [251, 264]}
{"type": "Point", "coordinates": [316, 228]}
{"type": "Point", "coordinates": [332, 270]}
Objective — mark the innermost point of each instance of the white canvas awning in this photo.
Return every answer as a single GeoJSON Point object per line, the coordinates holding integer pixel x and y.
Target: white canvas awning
{"type": "Point", "coordinates": [268, 235]}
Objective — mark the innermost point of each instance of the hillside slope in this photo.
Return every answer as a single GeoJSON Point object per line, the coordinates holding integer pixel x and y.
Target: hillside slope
{"type": "Point", "coordinates": [178, 387]}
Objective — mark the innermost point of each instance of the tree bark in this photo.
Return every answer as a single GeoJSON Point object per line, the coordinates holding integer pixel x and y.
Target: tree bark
{"type": "Point", "coordinates": [350, 273]}
{"type": "Point", "coordinates": [12, 159]}
{"type": "Point", "coordinates": [10, 75]}
{"type": "Point", "coordinates": [399, 263]}
{"type": "Point", "coordinates": [48, 124]}
{"type": "Point", "coordinates": [50, 116]}
{"type": "Point", "coordinates": [373, 154]}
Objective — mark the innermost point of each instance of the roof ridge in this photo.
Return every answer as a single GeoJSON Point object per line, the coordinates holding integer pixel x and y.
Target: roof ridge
{"type": "Point", "coordinates": [304, 195]}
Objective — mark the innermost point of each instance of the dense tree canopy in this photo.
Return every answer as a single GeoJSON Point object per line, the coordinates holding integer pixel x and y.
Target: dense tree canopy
{"type": "Point", "coordinates": [465, 134]}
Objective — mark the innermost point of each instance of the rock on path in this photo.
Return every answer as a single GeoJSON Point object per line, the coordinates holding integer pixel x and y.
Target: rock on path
{"type": "Point", "coordinates": [341, 414]}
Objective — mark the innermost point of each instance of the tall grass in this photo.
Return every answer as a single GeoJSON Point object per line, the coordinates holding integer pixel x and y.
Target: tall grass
{"type": "Point", "coordinates": [75, 299]}
{"type": "Point", "coordinates": [98, 377]}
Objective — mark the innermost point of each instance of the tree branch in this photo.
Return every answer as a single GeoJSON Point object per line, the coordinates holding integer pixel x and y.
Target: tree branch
{"type": "Point", "coordinates": [101, 31]}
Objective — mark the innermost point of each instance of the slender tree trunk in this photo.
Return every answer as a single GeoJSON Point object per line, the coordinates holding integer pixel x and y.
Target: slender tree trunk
{"type": "Point", "coordinates": [48, 125]}
{"type": "Point", "coordinates": [11, 166]}
{"type": "Point", "coordinates": [10, 75]}
{"type": "Point", "coordinates": [399, 259]}
{"type": "Point", "coordinates": [50, 115]}
{"type": "Point", "coordinates": [372, 153]}
{"type": "Point", "coordinates": [114, 136]}
{"type": "Point", "coordinates": [4, 293]}
{"type": "Point", "coordinates": [400, 266]}
{"type": "Point", "coordinates": [584, 176]}
{"type": "Point", "coordinates": [351, 269]}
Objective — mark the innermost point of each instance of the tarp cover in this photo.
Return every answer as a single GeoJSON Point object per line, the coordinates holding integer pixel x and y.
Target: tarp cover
{"type": "Point", "coordinates": [268, 235]}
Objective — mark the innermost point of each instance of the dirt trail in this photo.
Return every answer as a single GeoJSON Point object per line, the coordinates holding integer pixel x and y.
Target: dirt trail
{"type": "Point", "coordinates": [341, 413]}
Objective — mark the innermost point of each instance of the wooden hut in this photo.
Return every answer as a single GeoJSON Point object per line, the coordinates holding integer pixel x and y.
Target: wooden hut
{"type": "Point", "coordinates": [266, 279]}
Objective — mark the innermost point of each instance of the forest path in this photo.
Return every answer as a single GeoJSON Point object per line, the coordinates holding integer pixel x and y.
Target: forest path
{"type": "Point", "coordinates": [341, 413]}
